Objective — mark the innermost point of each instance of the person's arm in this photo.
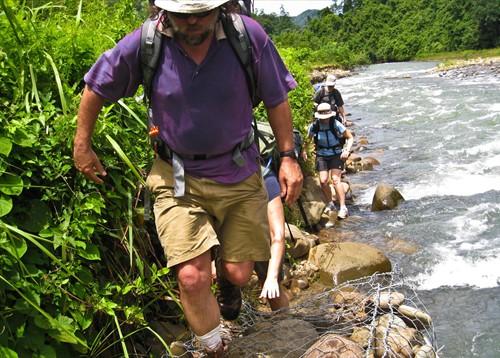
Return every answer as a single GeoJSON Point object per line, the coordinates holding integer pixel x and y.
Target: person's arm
{"type": "Point", "coordinates": [276, 218]}
{"type": "Point", "coordinates": [306, 144]}
{"type": "Point", "coordinates": [347, 149]}
{"type": "Point", "coordinates": [85, 159]}
{"type": "Point", "coordinates": [290, 175]}
{"type": "Point", "coordinates": [342, 113]}
{"type": "Point", "coordinates": [340, 104]}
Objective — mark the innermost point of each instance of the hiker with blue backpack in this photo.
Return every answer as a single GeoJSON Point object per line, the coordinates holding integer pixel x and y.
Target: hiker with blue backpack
{"type": "Point", "coordinates": [206, 178]}
{"type": "Point", "coordinates": [333, 143]}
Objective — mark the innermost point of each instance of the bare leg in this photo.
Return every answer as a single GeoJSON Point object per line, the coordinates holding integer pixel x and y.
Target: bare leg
{"type": "Point", "coordinates": [200, 305]}
{"type": "Point", "coordinates": [238, 273]}
{"type": "Point", "coordinates": [337, 184]}
{"type": "Point", "coordinates": [324, 181]}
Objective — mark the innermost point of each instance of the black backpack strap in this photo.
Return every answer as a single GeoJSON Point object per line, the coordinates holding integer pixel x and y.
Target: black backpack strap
{"type": "Point", "coordinates": [315, 130]}
{"type": "Point", "coordinates": [335, 130]}
{"type": "Point", "coordinates": [237, 36]}
{"type": "Point", "coordinates": [150, 52]}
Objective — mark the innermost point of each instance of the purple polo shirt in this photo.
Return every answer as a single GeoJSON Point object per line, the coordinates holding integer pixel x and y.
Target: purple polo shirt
{"type": "Point", "coordinates": [200, 109]}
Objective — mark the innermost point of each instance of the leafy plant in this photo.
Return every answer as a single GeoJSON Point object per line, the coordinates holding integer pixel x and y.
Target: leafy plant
{"type": "Point", "coordinates": [79, 270]}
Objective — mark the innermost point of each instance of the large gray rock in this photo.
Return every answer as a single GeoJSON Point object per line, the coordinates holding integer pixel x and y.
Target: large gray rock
{"type": "Point", "coordinates": [386, 197]}
{"type": "Point", "coordinates": [347, 261]}
{"type": "Point", "coordinates": [314, 211]}
{"type": "Point", "coordinates": [298, 244]}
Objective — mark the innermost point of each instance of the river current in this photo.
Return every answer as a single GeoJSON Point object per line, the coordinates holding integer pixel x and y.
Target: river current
{"type": "Point", "coordinates": [438, 141]}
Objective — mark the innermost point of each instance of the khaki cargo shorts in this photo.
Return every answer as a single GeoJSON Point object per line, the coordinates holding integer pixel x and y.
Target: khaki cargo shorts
{"type": "Point", "coordinates": [233, 216]}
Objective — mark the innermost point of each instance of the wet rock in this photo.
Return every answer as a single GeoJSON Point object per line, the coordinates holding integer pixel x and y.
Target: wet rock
{"type": "Point", "coordinates": [372, 160]}
{"type": "Point", "coordinates": [386, 197]}
{"type": "Point", "coordinates": [366, 165]}
{"type": "Point", "coordinates": [346, 261]}
{"type": "Point", "coordinates": [401, 246]}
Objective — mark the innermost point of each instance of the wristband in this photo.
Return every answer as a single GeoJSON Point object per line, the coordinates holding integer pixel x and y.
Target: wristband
{"type": "Point", "coordinates": [288, 153]}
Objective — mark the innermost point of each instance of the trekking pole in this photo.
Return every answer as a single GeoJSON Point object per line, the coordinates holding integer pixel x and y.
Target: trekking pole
{"type": "Point", "coordinates": [303, 213]}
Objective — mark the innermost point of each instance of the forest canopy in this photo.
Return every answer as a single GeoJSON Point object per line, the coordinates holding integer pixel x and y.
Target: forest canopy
{"type": "Point", "coordinates": [391, 30]}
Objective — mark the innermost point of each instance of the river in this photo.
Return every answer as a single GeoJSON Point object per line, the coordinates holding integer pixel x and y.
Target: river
{"type": "Point", "coordinates": [438, 141]}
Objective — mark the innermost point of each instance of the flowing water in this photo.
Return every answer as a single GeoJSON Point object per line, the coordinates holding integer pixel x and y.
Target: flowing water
{"type": "Point", "coordinates": [438, 141]}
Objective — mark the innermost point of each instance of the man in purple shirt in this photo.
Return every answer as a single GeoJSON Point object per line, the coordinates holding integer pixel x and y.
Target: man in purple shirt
{"type": "Point", "coordinates": [201, 104]}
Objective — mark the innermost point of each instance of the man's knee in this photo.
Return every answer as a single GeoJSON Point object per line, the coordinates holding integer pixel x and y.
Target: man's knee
{"type": "Point", "coordinates": [238, 273]}
{"type": "Point", "coordinates": [191, 279]}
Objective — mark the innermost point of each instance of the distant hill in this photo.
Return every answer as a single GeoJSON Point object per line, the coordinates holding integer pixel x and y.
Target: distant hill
{"type": "Point", "coordinates": [302, 19]}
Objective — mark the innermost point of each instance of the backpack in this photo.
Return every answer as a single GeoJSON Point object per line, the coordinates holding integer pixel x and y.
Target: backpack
{"type": "Point", "coordinates": [325, 97]}
{"type": "Point", "coordinates": [268, 149]}
{"type": "Point", "coordinates": [333, 128]}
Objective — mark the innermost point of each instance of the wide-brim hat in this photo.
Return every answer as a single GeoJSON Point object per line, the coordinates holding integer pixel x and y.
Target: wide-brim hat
{"type": "Point", "coordinates": [325, 115]}
{"type": "Point", "coordinates": [188, 6]}
{"type": "Point", "coordinates": [330, 80]}
{"type": "Point", "coordinates": [323, 111]}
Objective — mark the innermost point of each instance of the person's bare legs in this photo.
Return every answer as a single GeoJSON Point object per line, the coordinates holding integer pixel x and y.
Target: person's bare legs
{"type": "Point", "coordinates": [337, 185]}
{"type": "Point", "coordinates": [238, 273]}
{"type": "Point", "coordinates": [324, 180]}
{"type": "Point", "coordinates": [199, 303]}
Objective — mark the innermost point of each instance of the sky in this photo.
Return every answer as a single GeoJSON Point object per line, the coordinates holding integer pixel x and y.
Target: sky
{"type": "Point", "coordinates": [293, 7]}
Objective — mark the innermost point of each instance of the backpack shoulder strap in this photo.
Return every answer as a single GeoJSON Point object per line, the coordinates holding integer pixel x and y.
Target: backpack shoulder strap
{"type": "Point", "coordinates": [150, 52]}
{"type": "Point", "coordinates": [240, 42]}
{"type": "Point", "coordinates": [334, 129]}
{"type": "Point", "coordinates": [315, 127]}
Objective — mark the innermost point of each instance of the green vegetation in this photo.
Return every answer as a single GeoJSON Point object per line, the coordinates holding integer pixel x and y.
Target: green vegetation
{"type": "Point", "coordinates": [358, 32]}
{"type": "Point", "coordinates": [81, 272]}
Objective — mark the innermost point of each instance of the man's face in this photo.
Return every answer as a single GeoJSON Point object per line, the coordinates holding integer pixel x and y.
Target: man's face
{"type": "Point", "coordinates": [193, 29]}
{"type": "Point", "coordinates": [330, 88]}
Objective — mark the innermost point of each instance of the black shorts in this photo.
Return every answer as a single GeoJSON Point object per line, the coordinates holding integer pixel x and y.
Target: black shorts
{"type": "Point", "coordinates": [324, 164]}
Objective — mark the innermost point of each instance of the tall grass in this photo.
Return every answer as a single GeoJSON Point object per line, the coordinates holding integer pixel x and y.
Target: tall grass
{"type": "Point", "coordinates": [80, 273]}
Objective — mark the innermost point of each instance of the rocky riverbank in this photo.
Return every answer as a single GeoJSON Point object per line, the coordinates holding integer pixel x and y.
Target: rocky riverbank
{"type": "Point", "coordinates": [322, 302]}
{"type": "Point", "coordinates": [478, 67]}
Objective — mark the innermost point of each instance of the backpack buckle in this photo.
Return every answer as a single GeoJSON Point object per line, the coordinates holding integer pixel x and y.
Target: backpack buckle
{"type": "Point", "coordinates": [153, 131]}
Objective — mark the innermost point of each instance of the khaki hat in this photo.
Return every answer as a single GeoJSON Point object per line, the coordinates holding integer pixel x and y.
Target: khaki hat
{"type": "Point", "coordinates": [188, 6]}
{"type": "Point", "coordinates": [330, 80]}
{"type": "Point", "coordinates": [324, 110]}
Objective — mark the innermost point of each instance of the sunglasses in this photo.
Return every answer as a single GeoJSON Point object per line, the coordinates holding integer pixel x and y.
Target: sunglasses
{"type": "Point", "coordinates": [185, 16]}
